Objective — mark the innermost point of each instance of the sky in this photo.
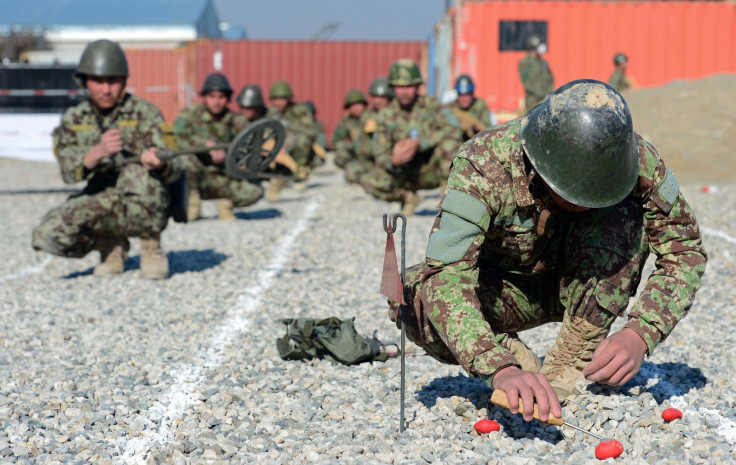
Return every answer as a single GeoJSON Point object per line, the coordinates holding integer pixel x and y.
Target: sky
{"type": "Point", "coordinates": [333, 19]}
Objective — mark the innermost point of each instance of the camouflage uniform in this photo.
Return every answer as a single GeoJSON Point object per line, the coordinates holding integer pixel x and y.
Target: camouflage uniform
{"type": "Point", "coordinates": [300, 134]}
{"type": "Point", "coordinates": [194, 127]}
{"type": "Point", "coordinates": [364, 148]}
{"type": "Point", "coordinates": [504, 259]}
{"type": "Point", "coordinates": [344, 139]}
{"type": "Point", "coordinates": [479, 111]}
{"type": "Point", "coordinates": [619, 81]}
{"type": "Point", "coordinates": [537, 79]}
{"type": "Point", "coordinates": [439, 138]}
{"type": "Point", "coordinates": [129, 201]}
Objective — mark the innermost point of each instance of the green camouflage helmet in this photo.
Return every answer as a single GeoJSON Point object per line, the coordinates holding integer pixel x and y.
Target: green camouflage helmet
{"type": "Point", "coordinates": [216, 82]}
{"type": "Point", "coordinates": [102, 58]}
{"type": "Point", "coordinates": [581, 142]}
{"type": "Point", "coordinates": [251, 96]}
{"type": "Point", "coordinates": [354, 96]}
{"type": "Point", "coordinates": [620, 58]}
{"type": "Point", "coordinates": [280, 89]}
{"type": "Point", "coordinates": [404, 72]}
{"type": "Point", "coordinates": [380, 88]}
{"type": "Point", "coordinates": [533, 41]}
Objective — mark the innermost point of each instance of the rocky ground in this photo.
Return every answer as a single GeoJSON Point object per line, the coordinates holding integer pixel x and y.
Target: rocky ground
{"type": "Point", "coordinates": [124, 370]}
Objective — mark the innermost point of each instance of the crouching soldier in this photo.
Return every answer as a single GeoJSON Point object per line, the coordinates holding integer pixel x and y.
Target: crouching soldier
{"type": "Point", "coordinates": [111, 141]}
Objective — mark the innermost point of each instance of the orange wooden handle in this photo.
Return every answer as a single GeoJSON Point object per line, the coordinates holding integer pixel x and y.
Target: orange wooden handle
{"type": "Point", "coordinates": [499, 398]}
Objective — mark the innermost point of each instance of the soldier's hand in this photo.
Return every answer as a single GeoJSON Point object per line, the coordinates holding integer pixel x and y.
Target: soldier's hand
{"type": "Point", "coordinates": [404, 151]}
{"type": "Point", "coordinates": [617, 359]}
{"type": "Point", "coordinates": [218, 156]}
{"type": "Point", "coordinates": [532, 388]}
{"type": "Point", "coordinates": [111, 143]}
{"type": "Point", "coordinates": [151, 161]}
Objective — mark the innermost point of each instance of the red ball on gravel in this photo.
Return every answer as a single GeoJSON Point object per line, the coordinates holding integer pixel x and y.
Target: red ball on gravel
{"type": "Point", "coordinates": [486, 426]}
{"type": "Point", "coordinates": [609, 449]}
{"type": "Point", "coordinates": [671, 414]}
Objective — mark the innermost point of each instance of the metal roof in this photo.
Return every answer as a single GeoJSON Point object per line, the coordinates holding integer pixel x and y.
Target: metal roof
{"type": "Point", "coordinates": [60, 13]}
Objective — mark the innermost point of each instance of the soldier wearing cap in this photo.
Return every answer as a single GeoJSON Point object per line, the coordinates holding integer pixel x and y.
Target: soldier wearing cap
{"type": "Point", "coordinates": [212, 123]}
{"type": "Point", "coordinates": [347, 131]}
{"type": "Point", "coordinates": [111, 140]}
{"type": "Point", "coordinates": [618, 79]}
{"type": "Point", "coordinates": [414, 142]}
{"type": "Point", "coordinates": [471, 111]}
{"type": "Point", "coordinates": [300, 131]}
{"type": "Point", "coordinates": [551, 217]}
{"type": "Point", "coordinates": [535, 74]}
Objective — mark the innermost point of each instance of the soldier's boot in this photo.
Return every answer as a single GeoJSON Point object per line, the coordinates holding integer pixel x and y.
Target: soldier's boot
{"type": "Point", "coordinates": [194, 208]}
{"type": "Point", "coordinates": [303, 174]}
{"type": "Point", "coordinates": [522, 352]}
{"type": "Point", "coordinates": [409, 203]}
{"type": "Point", "coordinates": [275, 186]}
{"type": "Point", "coordinates": [154, 264]}
{"type": "Point", "coordinates": [113, 253]}
{"type": "Point", "coordinates": [225, 210]}
{"type": "Point", "coordinates": [570, 354]}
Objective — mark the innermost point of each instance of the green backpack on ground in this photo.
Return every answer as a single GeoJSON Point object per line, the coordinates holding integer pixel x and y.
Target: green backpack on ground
{"type": "Point", "coordinates": [329, 338]}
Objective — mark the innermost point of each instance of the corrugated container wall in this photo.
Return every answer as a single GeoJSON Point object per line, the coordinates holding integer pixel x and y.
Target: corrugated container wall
{"type": "Point", "coordinates": [664, 41]}
{"type": "Point", "coordinates": [322, 72]}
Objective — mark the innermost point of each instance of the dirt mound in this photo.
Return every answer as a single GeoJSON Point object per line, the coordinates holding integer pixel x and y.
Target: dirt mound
{"type": "Point", "coordinates": [693, 126]}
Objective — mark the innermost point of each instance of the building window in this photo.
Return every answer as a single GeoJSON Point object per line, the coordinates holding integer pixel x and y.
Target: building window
{"type": "Point", "coordinates": [513, 34]}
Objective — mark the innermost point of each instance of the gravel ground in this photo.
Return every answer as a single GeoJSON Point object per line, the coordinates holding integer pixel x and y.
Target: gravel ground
{"type": "Point", "coordinates": [124, 370]}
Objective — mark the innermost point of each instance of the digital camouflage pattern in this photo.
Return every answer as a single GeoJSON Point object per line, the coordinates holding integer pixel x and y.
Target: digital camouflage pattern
{"type": "Point", "coordinates": [194, 127]}
{"type": "Point", "coordinates": [345, 139]}
{"type": "Point", "coordinates": [537, 79]}
{"type": "Point", "coordinates": [300, 133]}
{"type": "Point", "coordinates": [118, 201]}
{"type": "Point", "coordinates": [439, 138]}
{"type": "Point", "coordinates": [363, 161]}
{"type": "Point", "coordinates": [502, 258]}
{"type": "Point", "coordinates": [619, 80]}
{"type": "Point", "coordinates": [473, 120]}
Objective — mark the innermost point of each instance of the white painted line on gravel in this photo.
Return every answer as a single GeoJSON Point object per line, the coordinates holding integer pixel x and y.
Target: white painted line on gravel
{"type": "Point", "coordinates": [719, 234]}
{"type": "Point", "coordinates": [158, 419]}
{"type": "Point", "coordinates": [33, 269]}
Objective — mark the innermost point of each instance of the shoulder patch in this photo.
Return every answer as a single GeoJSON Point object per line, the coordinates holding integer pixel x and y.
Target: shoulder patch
{"type": "Point", "coordinates": [167, 134]}
{"type": "Point", "coordinates": [466, 207]}
{"type": "Point", "coordinates": [81, 127]}
{"type": "Point", "coordinates": [667, 192]}
{"type": "Point", "coordinates": [450, 243]}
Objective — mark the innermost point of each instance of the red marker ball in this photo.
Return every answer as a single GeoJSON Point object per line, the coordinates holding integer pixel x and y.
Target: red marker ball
{"type": "Point", "coordinates": [486, 426]}
{"type": "Point", "coordinates": [609, 449]}
{"type": "Point", "coordinates": [671, 414]}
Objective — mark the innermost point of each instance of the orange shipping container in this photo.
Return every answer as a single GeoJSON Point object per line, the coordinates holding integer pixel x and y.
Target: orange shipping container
{"type": "Point", "coordinates": [664, 41]}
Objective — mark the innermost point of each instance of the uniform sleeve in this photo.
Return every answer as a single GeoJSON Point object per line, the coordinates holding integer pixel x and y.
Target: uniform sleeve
{"type": "Point", "coordinates": [445, 126]}
{"type": "Point", "coordinates": [450, 285]}
{"type": "Point", "coordinates": [183, 130]}
{"type": "Point", "coordinates": [69, 153]}
{"type": "Point", "coordinates": [157, 133]}
{"type": "Point", "coordinates": [383, 143]}
{"type": "Point", "coordinates": [674, 238]}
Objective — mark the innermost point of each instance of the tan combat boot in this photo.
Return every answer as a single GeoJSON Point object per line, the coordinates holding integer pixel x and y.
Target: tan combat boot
{"type": "Point", "coordinates": [113, 253]}
{"type": "Point", "coordinates": [273, 191]}
{"type": "Point", "coordinates": [225, 210]}
{"type": "Point", "coordinates": [522, 352]}
{"type": "Point", "coordinates": [572, 352]}
{"type": "Point", "coordinates": [409, 203]}
{"type": "Point", "coordinates": [154, 264]}
{"type": "Point", "coordinates": [194, 208]}
{"type": "Point", "coordinates": [303, 173]}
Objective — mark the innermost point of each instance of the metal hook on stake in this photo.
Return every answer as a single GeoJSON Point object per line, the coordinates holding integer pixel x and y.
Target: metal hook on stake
{"type": "Point", "coordinates": [390, 225]}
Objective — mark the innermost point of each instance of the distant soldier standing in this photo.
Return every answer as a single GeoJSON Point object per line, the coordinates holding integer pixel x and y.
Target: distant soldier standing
{"type": "Point", "coordinates": [120, 200]}
{"type": "Point", "coordinates": [299, 125]}
{"type": "Point", "coordinates": [415, 142]}
{"type": "Point", "coordinates": [347, 132]}
{"type": "Point", "coordinates": [619, 80]}
{"type": "Point", "coordinates": [535, 74]}
{"type": "Point", "coordinates": [471, 111]}
{"type": "Point", "coordinates": [206, 124]}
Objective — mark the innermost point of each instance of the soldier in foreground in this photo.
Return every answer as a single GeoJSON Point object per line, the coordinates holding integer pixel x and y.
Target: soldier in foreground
{"type": "Point", "coordinates": [536, 77]}
{"type": "Point", "coordinates": [206, 124]}
{"type": "Point", "coordinates": [120, 200]}
{"type": "Point", "coordinates": [619, 80]}
{"type": "Point", "coordinates": [299, 124]}
{"type": "Point", "coordinates": [347, 132]}
{"type": "Point", "coordinates": [551, 217]}
{"type": "Point", "coordinates": [471, 111]}
{"type": "Point", "coordinates": [414, 143]}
